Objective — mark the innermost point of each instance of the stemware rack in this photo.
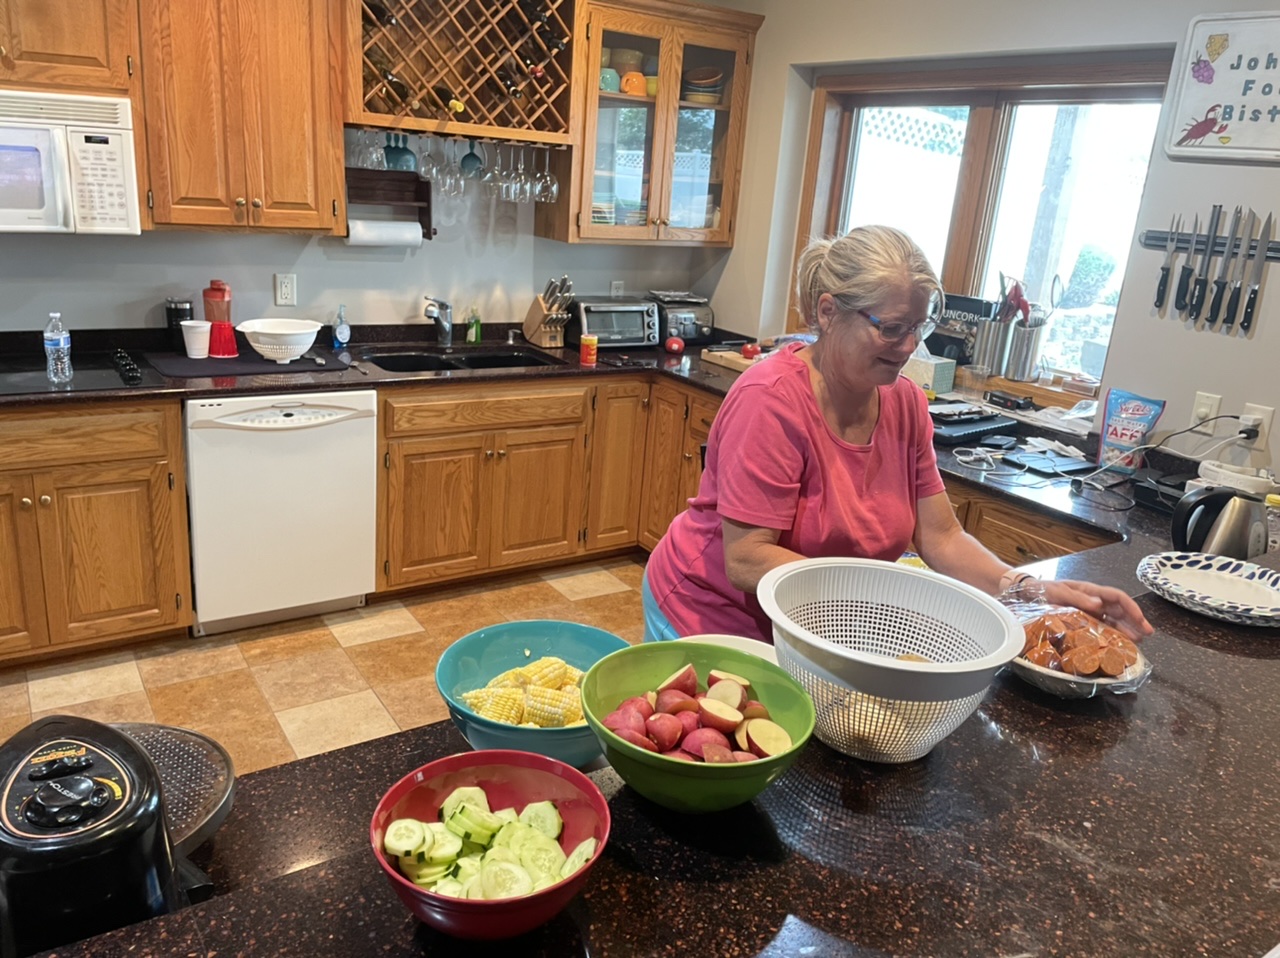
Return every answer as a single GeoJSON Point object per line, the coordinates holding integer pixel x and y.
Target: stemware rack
{"type": "Point", "coordinates": [417, 55]}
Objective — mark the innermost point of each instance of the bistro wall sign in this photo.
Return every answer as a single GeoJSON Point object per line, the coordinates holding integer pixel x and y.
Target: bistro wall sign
{"type": "Point", "coordinates": [1226, 96]}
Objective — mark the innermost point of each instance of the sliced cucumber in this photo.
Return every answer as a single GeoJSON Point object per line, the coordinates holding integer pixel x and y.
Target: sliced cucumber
{"type": "Point", "coordinates": [466, 867]}
{"type": "Point", "coordinates": [445, 845]}
{"type": "Point", "coordinates": [430, 874]}
{"type": "Point", "coordinates": [508, 814]}
{"type": "Point", "coordinates": [413, 869]}
{"type": "Point", "coordinates": [449, 887]}
{"type": "Point", "coordinates": [506, 833]}
{"type": "Point", "coordinates": [544, 817]}
{"type": "Point", "coordinates": [404, 837]}
{"type": "Point", "coordinates": [585, 851]}
{"type": "Point", "coordinates": [545, 881]}
{"type": "Point", "coordinates": [521, 834]}
{"type": "Point", "coordinates": [472, 848]}
{"type": "Point", "coordinates": [501, 879]}
{"type": "Point", "coordinates": [472, 824]}
{"type": "Point", "coordinates": [542, 857]}
{"type": "Point", "coordinates": [472, 888]}
{"type": "Point", "coordinates": [501, 854]}
{"type": "Point", "coordinates": [468, 793]}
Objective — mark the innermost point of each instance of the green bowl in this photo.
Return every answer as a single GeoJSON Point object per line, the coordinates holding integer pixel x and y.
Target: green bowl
{"type": "Point", "coordinates": [693, 786]}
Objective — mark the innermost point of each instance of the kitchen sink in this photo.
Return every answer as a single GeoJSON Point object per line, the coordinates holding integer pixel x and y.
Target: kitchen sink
{"type": "Point", "coordinates": [417, 361]}
{"type": "Point", "coordinates": [411, 362]}
{"type": "Point", "coordinates": [512, 359]}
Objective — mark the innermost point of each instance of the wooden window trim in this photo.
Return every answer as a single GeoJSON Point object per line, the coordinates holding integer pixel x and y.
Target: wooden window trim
{"type": "Point", "coordinates": [991, 91]}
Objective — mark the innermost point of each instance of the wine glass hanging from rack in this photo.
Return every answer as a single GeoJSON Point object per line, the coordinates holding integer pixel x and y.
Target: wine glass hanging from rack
{"type": "Point", "coordinates": [501, 65]}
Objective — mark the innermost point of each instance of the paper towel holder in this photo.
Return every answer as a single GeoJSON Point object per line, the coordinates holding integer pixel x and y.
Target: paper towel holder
{"type": "Point", "coordinates": [392, 188]}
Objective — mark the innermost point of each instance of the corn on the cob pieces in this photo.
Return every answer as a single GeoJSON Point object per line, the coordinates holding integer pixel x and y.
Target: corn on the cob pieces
{"type": "Point", "coordinates": [547, 693]}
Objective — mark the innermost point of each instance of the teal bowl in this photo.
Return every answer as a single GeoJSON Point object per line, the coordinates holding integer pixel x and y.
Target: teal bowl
{"type": "Point", "coordinates": [479, 656]}
{"type": "Point", "coordinates": [693, 786]}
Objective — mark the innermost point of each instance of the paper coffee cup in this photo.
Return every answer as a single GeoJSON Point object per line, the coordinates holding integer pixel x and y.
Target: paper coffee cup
{"type": "Point", "coordinates": [195, 336]}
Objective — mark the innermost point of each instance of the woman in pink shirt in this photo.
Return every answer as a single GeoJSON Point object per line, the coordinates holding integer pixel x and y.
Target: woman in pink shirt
{"type": "Point", "coordinates": [825, 450]}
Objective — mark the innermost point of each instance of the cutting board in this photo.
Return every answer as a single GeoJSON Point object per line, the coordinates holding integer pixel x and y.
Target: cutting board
{"type": "Point", "coordinates": [732, 359]}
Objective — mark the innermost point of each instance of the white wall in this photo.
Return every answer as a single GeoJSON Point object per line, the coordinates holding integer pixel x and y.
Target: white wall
{"type": "Point", "coordinates": [1158, 358]}
{"type": "Point", "coordinates": [485, 254]}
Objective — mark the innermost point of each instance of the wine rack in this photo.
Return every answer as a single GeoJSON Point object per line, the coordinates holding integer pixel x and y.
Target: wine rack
{"type": "Point", "coordinates": [463, 67]}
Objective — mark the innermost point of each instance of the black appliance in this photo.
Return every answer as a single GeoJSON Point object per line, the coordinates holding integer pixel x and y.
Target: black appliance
{"type": "Point", "coordinates": [88, 841]}
{"type": "Point", "coordinates": [684, 315]}
{"type": "Point", "coordinates": [94, 371]}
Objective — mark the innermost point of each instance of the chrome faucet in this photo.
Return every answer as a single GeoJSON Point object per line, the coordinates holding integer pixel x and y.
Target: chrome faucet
{"type": "Point", "coordinates": [442, 314]}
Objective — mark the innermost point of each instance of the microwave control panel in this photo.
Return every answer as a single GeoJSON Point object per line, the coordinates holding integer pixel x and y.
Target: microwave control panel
{"type": "Point", "coordinates": [101, 174]}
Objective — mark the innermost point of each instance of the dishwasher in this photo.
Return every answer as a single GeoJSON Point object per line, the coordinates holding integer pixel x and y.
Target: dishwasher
{"type": "Point", "coordinates": [283, 506]}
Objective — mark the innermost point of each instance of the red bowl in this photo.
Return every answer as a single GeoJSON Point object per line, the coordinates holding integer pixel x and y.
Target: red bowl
{"type": "Point", "coordinates": [510, 779]}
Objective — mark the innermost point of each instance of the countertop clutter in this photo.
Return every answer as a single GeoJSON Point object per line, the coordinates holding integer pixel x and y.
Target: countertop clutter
{"type": "Point", "coordinates": [1142, 824]}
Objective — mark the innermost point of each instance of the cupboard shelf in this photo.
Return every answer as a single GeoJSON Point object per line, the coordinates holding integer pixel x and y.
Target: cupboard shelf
{"type": "Point", "coordinates": [392, 188]}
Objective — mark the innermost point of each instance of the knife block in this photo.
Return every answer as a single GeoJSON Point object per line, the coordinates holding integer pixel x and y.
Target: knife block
{"type": "Point", "coordinates": [543, 327]}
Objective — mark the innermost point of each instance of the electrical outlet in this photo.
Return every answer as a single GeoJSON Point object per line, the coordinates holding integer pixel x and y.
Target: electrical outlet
{"type": "Point", "coordinates": [1265, 414]}
{"type": "Point", "coordinates": [286, 289]}
{"type": "Point", "coordinates": [615, 289]}
{"type": "Point", "coordinates": [1206, 406]}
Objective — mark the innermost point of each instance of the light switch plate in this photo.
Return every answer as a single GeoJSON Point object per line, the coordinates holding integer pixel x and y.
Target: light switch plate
{"type": "Point", "coordinates": [1206, 406]}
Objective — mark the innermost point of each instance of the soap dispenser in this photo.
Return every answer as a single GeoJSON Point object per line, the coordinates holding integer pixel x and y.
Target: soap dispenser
{"type": "Point", "coordinates": [473, 325]}
{"type": "Point", "coordinates": [341, 331]}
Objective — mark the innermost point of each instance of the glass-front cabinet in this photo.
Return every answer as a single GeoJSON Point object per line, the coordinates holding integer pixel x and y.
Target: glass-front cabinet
{"type": "Point", "coordinates": [662, 125]}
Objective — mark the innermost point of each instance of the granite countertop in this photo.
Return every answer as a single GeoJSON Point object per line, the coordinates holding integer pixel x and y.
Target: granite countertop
{"type": "Point", "coordinates": [687, 368]}
{"type": "Point", "coordinates": [1144, 824]}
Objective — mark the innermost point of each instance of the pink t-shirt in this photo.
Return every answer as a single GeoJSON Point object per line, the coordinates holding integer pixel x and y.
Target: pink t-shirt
{"type": "Point", "coordinates": [772, 461]}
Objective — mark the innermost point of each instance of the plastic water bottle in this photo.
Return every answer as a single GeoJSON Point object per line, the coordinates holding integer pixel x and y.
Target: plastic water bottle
{"type": "Point", "coordinates": [57, 350]}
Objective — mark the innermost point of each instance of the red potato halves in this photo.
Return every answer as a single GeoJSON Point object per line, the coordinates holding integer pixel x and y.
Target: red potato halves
{"type": "Point", "coordinates": [665, 731]}
{"type": "Point", "coordinates": [689, 721]}
{"type": "Point", "coordinates": [715, 714]}
{"type": "Point", "coordinates": [767, 738]}
{"type": "Point", "coordinates": [624, 718]}
{"type": "Point", "coordinates": [719, 675]}
{"type": "Point", "coordinates": [684, 679]}
{"type": "Point", "coordinates": [695, 740]}
{"type": "Point", "coordinates": [729, 692]}
{"type": "Point", "coordinates": [673, 701]}
{"type": "Point", "coordinates": [641, 703]}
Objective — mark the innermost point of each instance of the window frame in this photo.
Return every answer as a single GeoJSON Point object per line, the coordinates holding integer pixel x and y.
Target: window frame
{"type": "Point", "coordinates": [991, 90]}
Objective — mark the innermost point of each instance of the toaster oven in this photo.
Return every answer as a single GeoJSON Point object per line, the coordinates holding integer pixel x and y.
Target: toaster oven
{"type": "Point", "coordinates": [616, 322]}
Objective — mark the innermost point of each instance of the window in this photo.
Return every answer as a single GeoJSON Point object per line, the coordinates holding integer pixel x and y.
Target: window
{"type": "Point", "coordinates": [1030, 170]}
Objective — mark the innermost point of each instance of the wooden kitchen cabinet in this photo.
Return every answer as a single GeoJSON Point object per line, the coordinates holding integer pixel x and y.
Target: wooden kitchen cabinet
{"type": "Point", "coordinates": [242, 113]}
{"type": "Point", "coordinates": [480, 478]}
{"type": "Point", "coordinates": [679, 421]}
{"type": "Point", "coordinates": [1018, 536]}
{"type": "Point", "coordinates": [657, 168]}
{"type": "Point", "coordinates": [93, 533]}
{"type": "Point", "coordinates": [70, 46]}
{"type": "Point", "coordinates": [617, 463]}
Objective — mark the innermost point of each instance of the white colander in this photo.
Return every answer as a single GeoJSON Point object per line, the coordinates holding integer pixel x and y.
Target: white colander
{"type": "Point", "coordinates": [839, 626]}
{"type": "Point", "coordinates": [281, 340]}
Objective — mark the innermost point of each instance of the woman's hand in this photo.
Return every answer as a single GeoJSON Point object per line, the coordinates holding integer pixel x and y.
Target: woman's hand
{"type": "Point", "coordinates": [1103, 602]}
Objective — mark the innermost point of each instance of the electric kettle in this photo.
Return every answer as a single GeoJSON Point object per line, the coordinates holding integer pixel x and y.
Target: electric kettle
{"type": "Point", "coordinates": [1222, 522]}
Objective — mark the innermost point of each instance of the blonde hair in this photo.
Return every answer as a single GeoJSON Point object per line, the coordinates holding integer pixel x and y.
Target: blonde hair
{"type": "Point", "coordinates": [856, 268]}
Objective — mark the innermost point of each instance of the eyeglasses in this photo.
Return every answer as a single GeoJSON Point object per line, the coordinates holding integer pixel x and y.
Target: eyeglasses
{"type": "Point", "coordinates": [897, 332]}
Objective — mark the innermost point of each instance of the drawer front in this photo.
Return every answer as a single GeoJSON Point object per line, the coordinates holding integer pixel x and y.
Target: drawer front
{"type": "Point", "coordinates": [43, 438]}
{"type": "Point", "coordinates": [1008, 538]}
{"type": "Point", "coordinates": [702, 413]}
{"type": "Point", "coordinates": [477, 411]}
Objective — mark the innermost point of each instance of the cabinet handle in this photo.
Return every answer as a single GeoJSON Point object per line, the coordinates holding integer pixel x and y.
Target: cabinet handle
{"type": "Point", "coordinates": [502, 454]}
{"type": "Point", "coordinates": [239, 201]}
{"type": "Point", "coordinates": [664, 222]}
{"type": "Point", "coordinates": [688, 456]}
{"type": "Point", "coordinates": [45, 500]}
{"type": "Point", "coordinates": [488, 453]}
{"type": "Point", "coordinates": [25, 503]}
{"type": "Point", "coordinates": [655, 221]}
{"type": "Point", "coordinates": [257, 203]}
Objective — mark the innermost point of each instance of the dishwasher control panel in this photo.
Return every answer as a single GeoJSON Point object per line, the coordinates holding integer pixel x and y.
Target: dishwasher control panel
{"type": "Point", "coordinates": [284, 418]}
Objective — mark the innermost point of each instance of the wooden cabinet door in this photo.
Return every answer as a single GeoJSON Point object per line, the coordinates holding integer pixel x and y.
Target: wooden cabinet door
{"type": "Point", "coordinates": [437, 523]}
{"type": "Point", "coordinates": [664, 451]}
{"type": "Point", "coordinates": [292, 128]}
{"type": "Point", "coordinates": [22, 615]}
{"type": "Point", "coordinates": [83, 45]}
{"type": "Point", "coordinates": [108, 547]}
{"type": "Point", "coordinates": [617, 451]}
{"type": "Point", "coordinates": [193, 107]}
{"type": "Point", "coordinates": [537, 493]}
{"type": "Point", "coordinates": [702, 412]}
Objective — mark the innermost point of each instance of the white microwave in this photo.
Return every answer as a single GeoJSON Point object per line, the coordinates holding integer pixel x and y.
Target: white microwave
{"type": "Point", "coordinates": [66, 164]}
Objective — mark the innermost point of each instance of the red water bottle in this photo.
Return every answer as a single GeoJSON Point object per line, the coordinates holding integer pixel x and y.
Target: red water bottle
{"type": "Point", "coordinates": [217, 311]}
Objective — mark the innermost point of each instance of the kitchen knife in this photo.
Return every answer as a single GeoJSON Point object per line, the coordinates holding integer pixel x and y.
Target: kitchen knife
{"type": "Point", "coordinates": [1184, 278]}
{"type": "Point", "coordinates": [1220, 284]}
{"type": "Point", "coordinates": [1171, 250]}
{"type": "Point", "coordinates": [1237, 270]}
{"type": "Point", "coordinates": [548, 290]}
{"type": "Point", "coordinates": [1259, 261]}
{"type": "Point", "coordinates": [1198, 290]}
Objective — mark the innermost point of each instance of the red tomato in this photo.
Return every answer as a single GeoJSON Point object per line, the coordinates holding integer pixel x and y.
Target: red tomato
{"type": "Point", "coordinates": [675, 344]}
{"type": "Point", "coordinates": [750, 350]}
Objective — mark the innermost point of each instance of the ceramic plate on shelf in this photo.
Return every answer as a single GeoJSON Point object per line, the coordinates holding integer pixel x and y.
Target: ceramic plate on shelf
{"type": "Point", "coordinates": [1217, 586]}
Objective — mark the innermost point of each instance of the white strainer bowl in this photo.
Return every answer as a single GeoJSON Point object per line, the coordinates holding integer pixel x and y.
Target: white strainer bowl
{"type": "Point", "coordinates": [282, 340]}
{"type": "Point", "coordinates": [839, 626]}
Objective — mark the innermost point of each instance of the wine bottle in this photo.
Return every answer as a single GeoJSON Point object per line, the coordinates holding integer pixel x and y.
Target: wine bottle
{"type": "Point", "coordinates": [376, 13]}
{"type": "Point", "coordinates": [537, 16]}
{"type": "Point", "coordinates": [453, 104]}
{"type": "Point", "coordinates": [533, 64]}
{"type": "Point", "coordinates": [540, 22]}
{"type": "Point", "coordinates": [504, 84]}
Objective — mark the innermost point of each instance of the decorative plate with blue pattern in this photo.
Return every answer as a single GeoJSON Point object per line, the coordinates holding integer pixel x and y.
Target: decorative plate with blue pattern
{"type": "Point", "coordinates": [1217, 586]}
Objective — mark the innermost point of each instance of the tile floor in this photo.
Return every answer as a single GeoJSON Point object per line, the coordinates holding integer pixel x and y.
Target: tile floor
{"type": "Point", "coordinates": [275, 693]}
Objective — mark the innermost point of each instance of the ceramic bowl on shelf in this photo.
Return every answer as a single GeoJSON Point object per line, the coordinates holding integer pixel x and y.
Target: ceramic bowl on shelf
{"type": "Point", "coordinates": [704, 99]}
{"type": "Point", "coordinates": [625, 60]}
{"type": "Point", "coordinates": [703, 77]}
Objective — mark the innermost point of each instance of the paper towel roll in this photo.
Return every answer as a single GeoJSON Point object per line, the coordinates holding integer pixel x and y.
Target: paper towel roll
{"type": "Point", "coordinates": [381, 233]}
